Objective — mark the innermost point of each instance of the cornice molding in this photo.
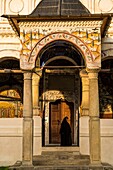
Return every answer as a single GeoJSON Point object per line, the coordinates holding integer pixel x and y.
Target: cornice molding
{"type": "Point", "coordinates": [61, 24]}
{"type": "Point", "coordinates": [8, 35]}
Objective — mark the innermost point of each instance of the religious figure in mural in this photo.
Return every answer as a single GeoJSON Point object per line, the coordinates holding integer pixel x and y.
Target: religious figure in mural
{"type": "Point", "coordinates": [65, 132]}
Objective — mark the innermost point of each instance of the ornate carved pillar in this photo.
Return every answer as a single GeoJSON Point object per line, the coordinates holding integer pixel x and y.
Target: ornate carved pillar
{"type": "Point", "coordinates": [94, 121]}
{"type": "Point", "coordinates": [27, 121]}
{"type": "Point", "coordinates": [35, 90]}
{"type": "Point", "coordinates": [85, 93]}
{"type": "Point", "coordinates": [37, 139]}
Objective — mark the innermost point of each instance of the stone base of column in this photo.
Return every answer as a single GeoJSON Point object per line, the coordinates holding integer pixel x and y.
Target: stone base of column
{"type": "Point", "coordinates": [36, 111]}
{"type": "Point", "coordinates": [27, 142]}
{"type": "Point", "coordinates": [95, 163]}
{"type": "Point", "coordinates": [26, 168]}
{"type": "Point", "coordinates": [85, 112]}
{"type": "Point", "coordinates": [94, 132]}
{"type": "Point", "coordinates": [22, 168]}
{"type": "Point", "coordinates": [26, 164]}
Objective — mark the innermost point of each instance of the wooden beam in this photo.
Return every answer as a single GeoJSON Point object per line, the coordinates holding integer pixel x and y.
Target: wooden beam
{"type": "Point", "coordinates": [63, 67]}
{"type": "Point", "coordinates": [10, 71]}
{"type": "Point", "coordinates": [106, 70]}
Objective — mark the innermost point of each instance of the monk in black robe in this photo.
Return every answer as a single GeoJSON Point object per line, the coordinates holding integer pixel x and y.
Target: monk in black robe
{"type": "Point", "coordinates": [65, 132]}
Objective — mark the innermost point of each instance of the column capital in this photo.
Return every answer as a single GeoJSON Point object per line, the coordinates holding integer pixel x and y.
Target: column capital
{"type": "Point", "coordinates": [36, 79]}
{"type": "Point", "coordinates": [83, 73]}
{"type": "Point", "coordinates": [38, 71]}
{"type": "Point", "coordinates": [96, 70]}
{"type": "Point", "coordinates": [27, 75]}
{"type": "Point", "coordinates": [93, 73]}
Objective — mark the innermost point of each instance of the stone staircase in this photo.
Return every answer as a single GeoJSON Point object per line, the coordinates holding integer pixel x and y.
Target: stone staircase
{"type": "Point", "coordinates": [62, 158]}
{"type": "Point", "coordinates": [59, 158]}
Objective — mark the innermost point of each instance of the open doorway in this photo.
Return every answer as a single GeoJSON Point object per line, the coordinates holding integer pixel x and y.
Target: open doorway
{"type": "Point", "coordinates": [58, 110]}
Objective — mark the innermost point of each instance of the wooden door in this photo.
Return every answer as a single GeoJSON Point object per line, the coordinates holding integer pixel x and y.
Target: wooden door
{"type": "Point", "coordinates": [55, 117]}
{"type": "Point", "coordinates": [59, 110]}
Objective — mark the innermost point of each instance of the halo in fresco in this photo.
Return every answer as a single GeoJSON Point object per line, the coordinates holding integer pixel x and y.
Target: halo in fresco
{"type": "Point", "coordinates": [105, 5]}
{"type": "Point", "coordinates": [16, 6]}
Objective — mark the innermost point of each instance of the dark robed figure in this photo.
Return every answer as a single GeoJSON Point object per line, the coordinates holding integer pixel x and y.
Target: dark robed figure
{"type": "Point", "coordinates": [65, 132]}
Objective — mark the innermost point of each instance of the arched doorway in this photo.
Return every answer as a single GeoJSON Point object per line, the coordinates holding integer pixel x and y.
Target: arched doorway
{"type": "Point", "coordinates": [11, 88]}
{"type": "Point", "coordinates": [60, 90]}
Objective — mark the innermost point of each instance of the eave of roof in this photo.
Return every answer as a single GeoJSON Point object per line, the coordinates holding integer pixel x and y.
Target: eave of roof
{"type": "Point", "coordinates": [27, 18]}
{"type": "Point", "coordinates": [15, 19]}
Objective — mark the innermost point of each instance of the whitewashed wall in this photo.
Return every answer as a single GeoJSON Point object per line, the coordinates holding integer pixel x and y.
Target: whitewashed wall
{"type": "Point", "coordinates": [107, 140]}
{"type": "Point", "coordinates": [98, 6]}
{"type": "Point", "coordinates": [106, 126]}
{"type": "Point", "coordinates": [15, 7]}
{"type": "Point", "coordinates": [26, 6]}
{"type": "Point", "coordinates": [11, 140]}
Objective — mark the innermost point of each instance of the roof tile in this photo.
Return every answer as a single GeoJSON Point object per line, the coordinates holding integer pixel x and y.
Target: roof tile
{"type": "Point", "coordinates": [60, 8]}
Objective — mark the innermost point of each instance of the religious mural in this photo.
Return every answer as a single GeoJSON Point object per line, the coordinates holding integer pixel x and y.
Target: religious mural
{"type": "Point", "coordinates": [10, 104]}
{"type": "Point", "coordinates": [87, 39]}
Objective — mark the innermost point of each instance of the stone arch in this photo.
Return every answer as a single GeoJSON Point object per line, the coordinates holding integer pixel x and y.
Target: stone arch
{"type": "Point", "coordinates": [9, 62]}
{"type": "Point", "coordinates": [10, 53]}
{"type": "Point", "coordinates": [17, 88]}
{"type": "Point", "coordinates": [80, 45]}
{"type": "Point", "coordinates": [61, 57]}
{"type": "Point", "coordinates": [107, 54]}
{"type": "Point", "coordinates": [5, 57]}
{"type": "Point", "coordinates": [8, 79]}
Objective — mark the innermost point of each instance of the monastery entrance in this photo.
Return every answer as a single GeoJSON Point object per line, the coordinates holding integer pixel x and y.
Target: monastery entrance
{"type": "Point", "coordinates": [56, 49]}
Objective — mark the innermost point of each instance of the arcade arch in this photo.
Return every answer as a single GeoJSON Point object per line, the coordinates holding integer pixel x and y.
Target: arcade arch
{"type": "Point", "coordinates": [29, 61]}
{"type": "Point", "coordinates": [61, 62]}
{"type": "Point", "coordinates": [11, 87]}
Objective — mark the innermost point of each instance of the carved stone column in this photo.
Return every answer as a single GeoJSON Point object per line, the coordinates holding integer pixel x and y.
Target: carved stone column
{"type": "Point", "coordinates": [35, 90]}
{"type": "Point", "coordinates": [37, 116]}
{"type": "Point", "coordinates": [85, 93]}
{"type": "Point", "coordinates": [94, 121]}
{"type": "Point", "coordinates": [27, 121]}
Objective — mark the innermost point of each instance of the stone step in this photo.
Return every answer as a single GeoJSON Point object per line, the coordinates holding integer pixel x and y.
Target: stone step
{"type": "Point", "coordinates": [51, 153]}
{"type": "Point", "coordinates": [104, 166]}
{"type": "Point", "coordinates": [61, 160]}
{"type": "Point", "coordinates": [60, 157]}
{"type": "Point", "coordinates": [60, 148]}
{"type": "Point", "coordinates": [63, 168]}
{"type": "Point", "coordinates": [78, 167]}
{"type": "Point", "coordinates": [60, 151]}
